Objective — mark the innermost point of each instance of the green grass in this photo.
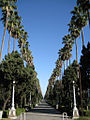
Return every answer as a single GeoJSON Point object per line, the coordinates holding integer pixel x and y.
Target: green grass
{"type": "Point", "coordinates": [5, 119]}
{"type": "Point", "coordinates": [84, 118]}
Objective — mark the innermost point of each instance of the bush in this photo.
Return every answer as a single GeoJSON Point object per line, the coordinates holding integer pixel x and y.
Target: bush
{"type": "Point", "coordinates": [88, 113]}
{"type": "Point", "coordinates": [19, 111]}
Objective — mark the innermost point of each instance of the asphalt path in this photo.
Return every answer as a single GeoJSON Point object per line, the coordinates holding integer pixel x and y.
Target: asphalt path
{"type": "Point", "coordinates": [42, 112]}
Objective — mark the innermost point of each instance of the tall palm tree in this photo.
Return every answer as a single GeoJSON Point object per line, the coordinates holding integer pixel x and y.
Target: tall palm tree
{"type": "Point", "coordinates": [85, 6]}
{"type": "Point", "coordinates": [62, 56]}
{"type": "Point", "coordinates": [22, 38]}
{"type": "Point", "coordinates": [7, 6]}
{"type": "Point", "coordinates": [58, 67]}
{"type": "Point", "coordinates": [24, 45]}
{"type": "Point", "coordinates": [16, 32]}
{"type": "Point", "coordinates": [13, 20]}
{"type": "Point", "coordinates": [68, 43]}
{"type": "Point", "coordinates": [79, 20]}
{"type": "Point", "coordinates": [74, 32]}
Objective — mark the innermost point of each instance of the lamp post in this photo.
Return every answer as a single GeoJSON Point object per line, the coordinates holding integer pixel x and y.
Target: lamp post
{"type": "Point", "coordinates": [36, 97]}
{"type": "Point", "coordinates": [12, 112]}
{"type": "Point", "coordinates": [30, 99]}
{"type": "Point", "coordinates": [75, 110]}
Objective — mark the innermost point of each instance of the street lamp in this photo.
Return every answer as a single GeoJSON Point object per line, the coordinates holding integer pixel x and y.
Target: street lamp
{"type": "Point", "coordinates": [75, 110]}
{"type": "Point", "coordinates": [36, 96]}
{"type": "Point", "coordinates": [12, 112]}
{"type": "Point", "coordinates": [30, 99]}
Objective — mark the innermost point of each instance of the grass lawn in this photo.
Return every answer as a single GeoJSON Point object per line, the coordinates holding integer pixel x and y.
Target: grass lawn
{"type": "Point", "coordinates": [84, 118]}
{"type": "Point", "coordinates": [5, 119]}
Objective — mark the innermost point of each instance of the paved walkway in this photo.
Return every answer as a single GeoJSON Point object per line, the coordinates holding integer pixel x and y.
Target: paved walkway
{"type": "Point", "coordinates": [42, 112]}
{"type": "Point", "coordinates": [45, 108]}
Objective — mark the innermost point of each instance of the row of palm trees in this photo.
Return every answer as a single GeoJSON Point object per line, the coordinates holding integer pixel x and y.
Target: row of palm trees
{"type": "Point", "coordinates": [80, 18]}
{"type": "Point", "coordinates": [12, 22]}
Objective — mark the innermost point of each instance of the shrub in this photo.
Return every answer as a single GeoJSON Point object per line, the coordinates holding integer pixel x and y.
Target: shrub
{"type": "Point", "coordinates": [88, 113]}
{"type": "Point", "coordinates": [19, 111]}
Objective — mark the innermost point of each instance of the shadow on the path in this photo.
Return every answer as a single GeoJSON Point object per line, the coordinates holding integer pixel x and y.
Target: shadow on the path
{"type": "Point", "coordinates": [44, 108]}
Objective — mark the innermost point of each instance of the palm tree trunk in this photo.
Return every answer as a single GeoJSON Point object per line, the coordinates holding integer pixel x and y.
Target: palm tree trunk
{"type": "Point", "coordinates": [4, 35]}
{"type": "Point", "coordinates": [9, 42]}
{"type": "Point", "coordinates": [14, 45]}
{"type": "Point", "coordinates": [69, 62]}
{"type": "Point", "coordinates": [25, 101]}
{"type": "Point", "coordinates": [82, 36]}
{"type": "Point", "coordinates": [64, 65]}
{"type": "Point", "coordinates": [76, 51]}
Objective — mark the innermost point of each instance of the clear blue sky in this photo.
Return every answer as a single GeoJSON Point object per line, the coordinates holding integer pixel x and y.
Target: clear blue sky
{"type": "Point", "coordinates": [46, 23]}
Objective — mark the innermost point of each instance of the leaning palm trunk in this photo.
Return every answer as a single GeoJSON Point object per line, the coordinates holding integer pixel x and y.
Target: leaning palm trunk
{"type": "Point", "coordinates": [4, 35]}
{"type": "Point", "coordinates": [64, 65]}
{"type": "Point", "coordinates": [82, 36]}
{"type": "Point", "coordinates": [9, 41]}
{"type": "Point", "coordinates": [69, 62]}
{"type": "Point", "coordinates": [14, 45]}
{"type": "Point", "coordinates": [76, 51]}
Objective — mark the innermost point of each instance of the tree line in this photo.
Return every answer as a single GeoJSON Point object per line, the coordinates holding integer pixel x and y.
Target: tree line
{"type": "Point", "coordinates": [60, 86]}
{"type": "Point", "coordinates": [17, 66]}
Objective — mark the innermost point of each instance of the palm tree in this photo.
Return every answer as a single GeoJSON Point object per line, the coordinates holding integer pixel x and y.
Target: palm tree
{"type": "Point", "coordinates": [24, 46]}
{"type": "Point", "coordinates": [7, 6]}
{"type": "Point", "coordinates": [79, 20]}
{"type": "Point", "coordinates": [16, 32]}
{"type": "Point", "coordinates": [74, 32]}
{"type": "Point", "coordinates": [22, 39]}
{"type": "Point", "coordinates": [62, 56]}
{"type": "Point", "coordinates": [58, 67]}
{"type": "Point", "coordinates": [13, 20]}
{"type": "Point", "coordinates": [68, 41]}
{"type": "Point", "coordinates": [85, 6]}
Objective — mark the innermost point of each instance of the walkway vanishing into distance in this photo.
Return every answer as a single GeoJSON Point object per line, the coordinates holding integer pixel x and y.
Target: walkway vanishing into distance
{"type": "Point", "coordinates": [42, 112]}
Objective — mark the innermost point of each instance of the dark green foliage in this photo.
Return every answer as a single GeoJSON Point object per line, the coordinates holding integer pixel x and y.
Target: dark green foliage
{"type": "Point", "coordinates": [85, 67]}
{"type": "Point", "coordinates": [12, 68]}
{"type": "Point", "coordinates": [88, 113]}
{"type": "Point", "coordinates": [19, 111]}
{"type": "Point", "coordinates": [62, 92]}
{"type": "Point", "coordinates": [70, 75]}
{"type": "Point", "coordinates": [85, 72]}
